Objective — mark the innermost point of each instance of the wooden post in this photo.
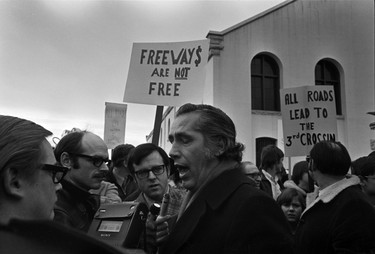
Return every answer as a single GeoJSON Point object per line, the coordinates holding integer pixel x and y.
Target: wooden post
{"type": "Point", "coordinates": [157, 124]}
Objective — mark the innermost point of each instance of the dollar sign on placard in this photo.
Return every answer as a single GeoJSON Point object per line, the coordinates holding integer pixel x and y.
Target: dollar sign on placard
{"type": "Point", "coordinates": [198, 60]}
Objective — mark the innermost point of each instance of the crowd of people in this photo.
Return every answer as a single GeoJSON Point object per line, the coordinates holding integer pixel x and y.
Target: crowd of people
{"type": "Point", "coordinates": [217, 203]}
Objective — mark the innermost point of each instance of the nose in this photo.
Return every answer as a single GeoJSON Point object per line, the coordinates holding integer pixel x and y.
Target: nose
{"type": "Point", "coordinates": [291, 208]}
{"type": "Point", "coordinates": [104, 167]}
{"type": "Point", "coordinates": [151, 175]}
{"type": "Point", "coordinates": [173, 153]}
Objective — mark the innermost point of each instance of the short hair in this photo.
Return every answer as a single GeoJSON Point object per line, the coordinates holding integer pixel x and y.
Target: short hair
{"type": "Point", "coordinates": [367, 168]}
{"type": "Point", "coordinates": [142, 151]}
{"type": "Point", "coordinates": [330, 157]}
{"type": "Point", "coordinates": [215, 125]}
{"type": "Point", "coordinates": [270, 156]}
{"type": "Point", "coordinates": [72, 144]}
{"type": "Point", "coordinates": [287, 195]}
{"type": "Point", "coordinates": [121, 153]}
{"type": "Point", "coordinates": [20, 144]}
{"type": "Point", "coordinates": [299, 169]}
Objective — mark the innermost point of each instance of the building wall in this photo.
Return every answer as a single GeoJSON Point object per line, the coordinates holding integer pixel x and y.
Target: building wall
{"type": "Point", "coordinates": [298, 34]}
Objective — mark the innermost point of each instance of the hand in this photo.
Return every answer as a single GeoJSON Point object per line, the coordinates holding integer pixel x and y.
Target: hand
{"type": "Point", "coordinates": [151, 231]}
{"type": "Point", "coordinates": [162, 229]}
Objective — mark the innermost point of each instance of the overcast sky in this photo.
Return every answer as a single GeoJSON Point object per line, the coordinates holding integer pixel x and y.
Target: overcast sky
{"type": "Point", "coordinates": [61, 60]}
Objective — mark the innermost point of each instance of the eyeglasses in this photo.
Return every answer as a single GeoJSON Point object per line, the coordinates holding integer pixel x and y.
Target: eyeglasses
{"type": "Point", "coordinates": [144, 173]}
{"type": "Point", "coordinates": [58, 172]}
{"type": "Point", "coordinates": [96, 160]}
{"type": "Point", "coordinates": [308, 158]}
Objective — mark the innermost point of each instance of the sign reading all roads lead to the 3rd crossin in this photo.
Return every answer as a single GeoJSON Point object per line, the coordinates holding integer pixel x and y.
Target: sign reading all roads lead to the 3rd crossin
{"type": "Point", "coordinates": [309, 116]}
{"type": "Point", "coordinates": [169, 74]}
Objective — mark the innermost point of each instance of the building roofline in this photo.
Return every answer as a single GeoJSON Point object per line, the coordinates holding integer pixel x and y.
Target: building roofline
{"type": "Point", "coordinates": [251, 19]}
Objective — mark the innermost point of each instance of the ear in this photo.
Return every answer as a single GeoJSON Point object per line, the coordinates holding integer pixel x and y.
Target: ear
{"type": "Point", "coordinates": [125, 163]}
{"type": "Point", "coordinates": [220, 147]}
{"type": "Point", "coordinates": [65, 160]}
{"type": "Point", "coordinates": [13, 183]}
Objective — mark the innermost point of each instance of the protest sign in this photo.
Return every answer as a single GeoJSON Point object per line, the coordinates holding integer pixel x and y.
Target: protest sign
{"type": "Point", "coordinates": [168, 74]}
{"type": "Point", "coordinates": [309, 116]}
{"type": "Point", "coordinates": [114, 126]}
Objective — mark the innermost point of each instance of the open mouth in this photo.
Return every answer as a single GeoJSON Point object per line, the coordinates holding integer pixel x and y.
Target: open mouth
{"type": "Point", "coordinates": [182, 169]}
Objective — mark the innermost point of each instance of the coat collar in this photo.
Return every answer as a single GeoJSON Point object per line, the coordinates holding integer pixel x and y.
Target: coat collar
{"type": "Point", "coordinates": [213, 195]}
{"type": "Point", "coordinates": [329, 193]}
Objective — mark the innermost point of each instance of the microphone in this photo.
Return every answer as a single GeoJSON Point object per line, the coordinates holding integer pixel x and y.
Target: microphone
{"type": "Point", "coordinates": [164, 205]}
{"type": "Point", "coordinates": [150, 247]}
{"type": "Point", "coordinates": [154, 211]}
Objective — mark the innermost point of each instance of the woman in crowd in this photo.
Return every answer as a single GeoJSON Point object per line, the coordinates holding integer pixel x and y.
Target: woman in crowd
{"type": "Point", "coordinates": [292, 202]}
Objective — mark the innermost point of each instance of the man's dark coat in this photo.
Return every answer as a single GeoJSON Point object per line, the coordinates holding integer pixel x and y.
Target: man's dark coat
{"type": "Point", "coordinates": [230, 216]}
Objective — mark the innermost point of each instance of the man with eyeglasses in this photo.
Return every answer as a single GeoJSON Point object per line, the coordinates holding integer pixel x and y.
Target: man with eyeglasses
{"type": "Point", "coordinates": [29, 179]}
{"type": "Point", "coordinates": [86, 155]}
{"type": "Point", "coordinates": [340, 220]}
{"type": "Point", "coordinates": [150, 165]}
{"type": "Point", "coordinates": [252, 172]}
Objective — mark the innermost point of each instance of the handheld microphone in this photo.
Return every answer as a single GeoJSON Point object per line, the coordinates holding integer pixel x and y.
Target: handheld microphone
{"type": "Point", "coordinates": [154, 211]}
{"type": "Point", "coordinates": [150, 247]}
{"type": "Point", "coordinates": [164, 205]}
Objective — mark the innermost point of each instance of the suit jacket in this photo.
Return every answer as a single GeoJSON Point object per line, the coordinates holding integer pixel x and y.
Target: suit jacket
{"type": "Point", "coordinates": [230, 216]}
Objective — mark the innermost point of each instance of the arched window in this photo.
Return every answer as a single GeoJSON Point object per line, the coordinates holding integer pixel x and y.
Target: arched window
{"type": "Point", "coordinates": [265, 83]}
{"type": "Point", "coordinates": [326, 73]}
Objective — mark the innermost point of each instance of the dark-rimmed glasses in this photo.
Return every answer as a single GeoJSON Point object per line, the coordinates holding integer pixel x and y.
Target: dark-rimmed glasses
{"type": "Point", "coordinates": [97, 161]}
{"type": "Point", "coordinates": [308, 158]}
{"type": "Point", "coordinates": [58, 172]}
{"type": "Point", "coordinates": [144, 173]}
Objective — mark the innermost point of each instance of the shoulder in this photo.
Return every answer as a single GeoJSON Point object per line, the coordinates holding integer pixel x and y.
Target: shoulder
{"type": "Point", "coordinates": [49, 237]}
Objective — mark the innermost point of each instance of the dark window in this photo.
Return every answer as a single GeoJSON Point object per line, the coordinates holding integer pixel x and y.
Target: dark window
{"type": "Point", "coordinates": [327, 74]}
{"type": "Point", "coordinates": [259, 144]}
{"type": "Point", "coordinates": [265, 83]}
